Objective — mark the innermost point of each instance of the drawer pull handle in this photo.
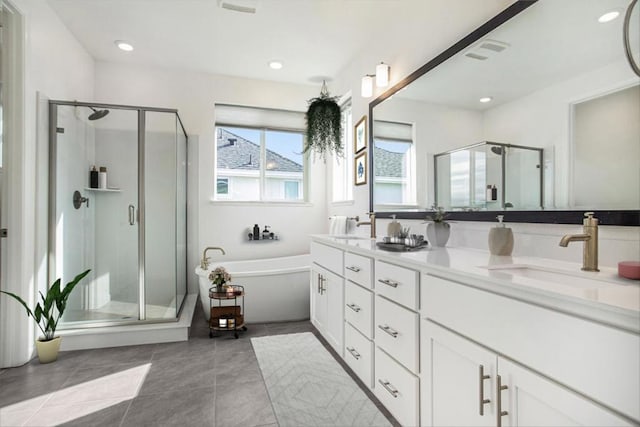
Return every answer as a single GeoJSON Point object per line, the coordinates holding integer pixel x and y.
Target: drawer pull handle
{"type": "Point", "coordinates": [389, 282]}
{"type": "Point", "coordinates": [354, 269]}
{"type": "Point", "coordinates": [483, 401]}
{"type": "Point", "coordinates": [354, 307]}
{"type": "Point", "coordinates": [354, 353]}
{"type": "Point", "coordinates": [389, 330]}
{"type": "Point", "coordinates": [499, 412]}
{"type": "Point", "coordinates": [387, 385]}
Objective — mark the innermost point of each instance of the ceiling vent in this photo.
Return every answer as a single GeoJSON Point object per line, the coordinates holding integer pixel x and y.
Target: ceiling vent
{"type": "Point", "coordinates": [485, 49]}
{"type": "Point", "coordinates": [243, 6]}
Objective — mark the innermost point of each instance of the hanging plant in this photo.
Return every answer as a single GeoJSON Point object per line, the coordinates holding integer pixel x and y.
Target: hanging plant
{"type": "Point", "coordinates": [324, 123]}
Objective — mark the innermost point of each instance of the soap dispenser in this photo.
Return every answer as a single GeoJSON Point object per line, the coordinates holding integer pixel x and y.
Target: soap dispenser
{"type": "Point", "coordinates": [500, 239]}
{"type": "Point", "coordinates": [394, 229]}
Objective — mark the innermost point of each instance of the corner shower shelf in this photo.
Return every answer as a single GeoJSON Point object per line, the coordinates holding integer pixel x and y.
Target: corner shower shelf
{"type": "Point", "coordinates": [104, 190]}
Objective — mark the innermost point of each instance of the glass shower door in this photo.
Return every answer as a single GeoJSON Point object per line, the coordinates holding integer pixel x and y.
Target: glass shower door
{"type": "Point", "coordinates": [96, 228]}
{"type": "Point", "coordinates": [165, 215]}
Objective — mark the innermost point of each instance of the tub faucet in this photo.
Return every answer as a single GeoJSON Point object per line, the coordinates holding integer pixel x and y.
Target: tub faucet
{"type": "Point", "coordinates": [204, 263]}
{"type": "Point", "coordinates": [371, 222]}
{"type": "Point", "coordinates": [590, 239]}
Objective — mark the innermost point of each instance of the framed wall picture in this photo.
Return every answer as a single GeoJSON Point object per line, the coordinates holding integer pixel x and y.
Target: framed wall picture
{"type": "Point", "coordinates": [360, 169]}
{"type": "Point", "coordinates": [360, 134]}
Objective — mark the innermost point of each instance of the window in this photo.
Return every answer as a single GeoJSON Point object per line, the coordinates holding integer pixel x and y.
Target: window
{"type": "Point", "coordinates": [394, 164]}
{"type": "Point", "coordinates": [258, 162]}
{"type": "Point", "coordinates": [342, 178]}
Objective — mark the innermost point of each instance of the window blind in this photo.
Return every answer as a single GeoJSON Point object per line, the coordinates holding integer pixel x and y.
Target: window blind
{"type": "Point", "coordinates": [269, 118]}
{"type": "Point", "coordinates": [393, 130]}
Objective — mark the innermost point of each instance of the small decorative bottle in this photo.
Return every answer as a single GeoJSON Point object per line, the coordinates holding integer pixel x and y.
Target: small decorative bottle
{"type": "Point", "coordinates": [102, 178]}
{"type": "Point", "coordinates": [256, 232]}
{"type": "Point", "coordinates": [93, 177]}
{"type": "Point", "coordinates": [500, 239]}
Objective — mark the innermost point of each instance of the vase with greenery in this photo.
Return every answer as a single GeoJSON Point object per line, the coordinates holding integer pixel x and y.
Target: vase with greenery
{"type": "Point", "coordinates": [438, 230]}
{"type": "Point", "coordinates": [324, 125]}
{"type": "Point", "coordinates": [47, 313]}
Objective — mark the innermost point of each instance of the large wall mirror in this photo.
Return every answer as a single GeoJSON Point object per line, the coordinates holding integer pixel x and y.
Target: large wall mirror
{"type": "Point", "coordinates": [536, 113]}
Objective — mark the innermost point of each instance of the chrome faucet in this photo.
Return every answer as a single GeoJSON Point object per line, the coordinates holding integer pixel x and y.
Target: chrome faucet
{"type": "Point", "coordinates": [590, 239]}
{"type": "Point", "coordinates": [371, 222]}
{"type": "Point", "coordinates": [204, 263]}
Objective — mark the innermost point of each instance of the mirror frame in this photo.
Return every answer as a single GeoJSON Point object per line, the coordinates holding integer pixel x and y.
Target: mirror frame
{"type": "Point", "coordinates": [606, 217]}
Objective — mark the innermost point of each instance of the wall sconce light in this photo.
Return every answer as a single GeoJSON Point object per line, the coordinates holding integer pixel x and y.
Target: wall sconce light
{"type": "Point", "coordinates": [366, 87]}
{"type": "Point", "coordinates": [382, 80]}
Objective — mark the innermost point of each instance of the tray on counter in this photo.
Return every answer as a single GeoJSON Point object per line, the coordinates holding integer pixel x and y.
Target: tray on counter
{"type": "Point", "coordinates": [400, 247]}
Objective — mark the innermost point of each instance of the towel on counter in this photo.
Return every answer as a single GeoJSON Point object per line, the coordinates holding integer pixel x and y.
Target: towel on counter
{"type": "Point", "coordinates": [338, 225]}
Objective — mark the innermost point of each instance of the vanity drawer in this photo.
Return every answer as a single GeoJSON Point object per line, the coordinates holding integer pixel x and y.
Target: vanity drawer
{"type": "Point", "coordinates": [397, 283]}
{"type": "Point", "coordinates": [396, 331]}
{"type": "Point", "coordinates": [396, 388]}
{"type": "Point", "coordinates": [359, 308]}
{"type": "Point", "coordinates": [358, 269]}
{"type": "Point", "coordinates": [327, 257]}
{"type": "Point", "coordinates": [358, 353]}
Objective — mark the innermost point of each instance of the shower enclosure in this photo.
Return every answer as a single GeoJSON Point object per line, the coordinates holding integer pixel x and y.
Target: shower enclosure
{"type": "Point", "coordinates": [489, 176]}
{"type": "Point", "coordinates": [128, 226]}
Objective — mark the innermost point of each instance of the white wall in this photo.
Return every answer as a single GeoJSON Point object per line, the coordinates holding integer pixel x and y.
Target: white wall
{"type": "Point", "coordinates": [543, 119]}
{"type": "Point", "coordinates": [57, 66]}
{"type": "Point", "coordinates": [194, 95]}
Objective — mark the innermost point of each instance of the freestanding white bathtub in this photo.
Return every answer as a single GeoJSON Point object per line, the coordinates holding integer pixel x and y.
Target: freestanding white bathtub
{"type": "Point", "coordinates": [277, 289]}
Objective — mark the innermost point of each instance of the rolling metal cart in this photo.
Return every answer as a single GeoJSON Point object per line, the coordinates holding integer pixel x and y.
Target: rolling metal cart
{"type": "Point", "coordinates": [226, 317]}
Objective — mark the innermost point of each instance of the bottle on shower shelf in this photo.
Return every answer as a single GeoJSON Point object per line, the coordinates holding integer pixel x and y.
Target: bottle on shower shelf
{"type": "Point", "coordinates": [102, 178]}
{"type": "Point", "coordinates": [93, 177]}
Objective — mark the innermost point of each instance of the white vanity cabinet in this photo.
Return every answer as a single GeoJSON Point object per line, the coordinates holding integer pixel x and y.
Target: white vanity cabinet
{"type": "Point", "coordinates": [469, 385]}
{"type": "Point", "coordinates": [327, 294]}
{"type": "Point", "coordinates": [558, 369]}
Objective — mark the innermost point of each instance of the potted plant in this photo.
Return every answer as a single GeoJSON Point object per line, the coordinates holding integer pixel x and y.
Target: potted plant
{"type": "Point", "coordinates": [324, 121]}
{"type": "Point", "coordinates": [219, 277]}
{"type": "Point", "coordinates": [47, 314]}
{"type": "Point", "coordinates": [438, 229]}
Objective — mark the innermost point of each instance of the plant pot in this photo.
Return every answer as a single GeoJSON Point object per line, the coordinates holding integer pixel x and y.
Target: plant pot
{"type": "Point", "coordinates": [438, 233]}
{"type": "Point", "coordinates": [48, 350]}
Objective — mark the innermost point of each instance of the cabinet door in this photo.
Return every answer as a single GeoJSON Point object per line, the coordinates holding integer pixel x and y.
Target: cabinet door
{"type": "Point", "coordinates": [452, 387]}
{"type": "Point", "coordinates": [333, 293]}
{"type": "Point", "coordinates": [318, 299]}
{"type": "Point", "coordinates": [532, 400]}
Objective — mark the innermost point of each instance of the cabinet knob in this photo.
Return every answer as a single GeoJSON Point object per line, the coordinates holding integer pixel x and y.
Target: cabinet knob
{"type": "Point", "coordinates": [389, 330]}
{"type": "Point", "coordinates": [354, 269]}
{"type": "Point", "coordinates": [354, 307]}
{"type": "Point", "coordinates": [354, 353]}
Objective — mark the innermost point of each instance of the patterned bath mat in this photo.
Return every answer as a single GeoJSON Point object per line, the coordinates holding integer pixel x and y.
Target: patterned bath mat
{"type": "Point", "coordinates": [308, 387]}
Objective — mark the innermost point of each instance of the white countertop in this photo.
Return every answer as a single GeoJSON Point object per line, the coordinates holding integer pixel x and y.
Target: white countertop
{"type": "Point", "coordinates": [599, 296]}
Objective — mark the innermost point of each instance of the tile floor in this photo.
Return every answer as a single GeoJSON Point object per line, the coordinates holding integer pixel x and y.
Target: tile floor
{"type": "Point", "coordinates": [199, 382]}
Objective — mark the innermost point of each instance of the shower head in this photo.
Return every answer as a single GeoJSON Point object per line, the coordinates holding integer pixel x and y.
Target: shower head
{"type": "Point", "coordinates": [97, 114]}
{"type": "Point", "coordinates": [496, 150]}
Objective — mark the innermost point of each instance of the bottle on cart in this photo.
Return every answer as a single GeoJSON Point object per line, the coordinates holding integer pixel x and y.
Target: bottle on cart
{"type": "Point", "coordinates": [256, 232]}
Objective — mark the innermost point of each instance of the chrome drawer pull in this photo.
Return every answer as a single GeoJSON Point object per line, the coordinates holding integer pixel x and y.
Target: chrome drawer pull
{"type": "Point", "coordinates": [354, 353]}
{"type": "Point", "coordinates": [354, 307]}
{"type": "Point", "coordinates": [499, 412]}
{"type": "Point", "coordinates": [389, 330]}
{"type": "Point", "coordinates": [483, 400]}
{"type": "Point", "coordinates": [387, 385]}
{"type": "Point", "coordinates": [389, 282]}
{"type": "Point", "coordinates": [354, 269]}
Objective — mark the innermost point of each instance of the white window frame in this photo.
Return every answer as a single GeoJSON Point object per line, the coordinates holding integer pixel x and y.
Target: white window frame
{"type": "Point", "coordinates": [227, 198]}
{"type": "Point", "coordinates": [342, 167]}
{"type": "Point", "coordinates": [410, 193]}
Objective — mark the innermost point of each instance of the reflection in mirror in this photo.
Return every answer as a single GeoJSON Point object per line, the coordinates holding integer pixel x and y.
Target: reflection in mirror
{"type": "Point", "coordinates": [567, 92]}
{"type": "Point", "coordinates": [489, 176]}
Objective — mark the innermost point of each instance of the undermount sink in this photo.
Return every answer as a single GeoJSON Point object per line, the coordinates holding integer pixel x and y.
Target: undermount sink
{"type": "Point", "coordinates": [576, 279]}
{"type": "Point", "coordinates": [349, 237]}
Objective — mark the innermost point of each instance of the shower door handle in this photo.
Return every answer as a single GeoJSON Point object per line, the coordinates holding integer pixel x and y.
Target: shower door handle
{"type": "Point", "coordinates": [132, 215]}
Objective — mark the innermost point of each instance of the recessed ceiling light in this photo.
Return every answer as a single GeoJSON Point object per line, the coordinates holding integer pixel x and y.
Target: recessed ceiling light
{"type": "Point", "coordinates": [486, 99]}
{"type": "Point", "coordinates": [122, 45]}
{"type": "Point", "coordinates": [609, 16]}
{"type": "Point", "coordinates": [275, 65]}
